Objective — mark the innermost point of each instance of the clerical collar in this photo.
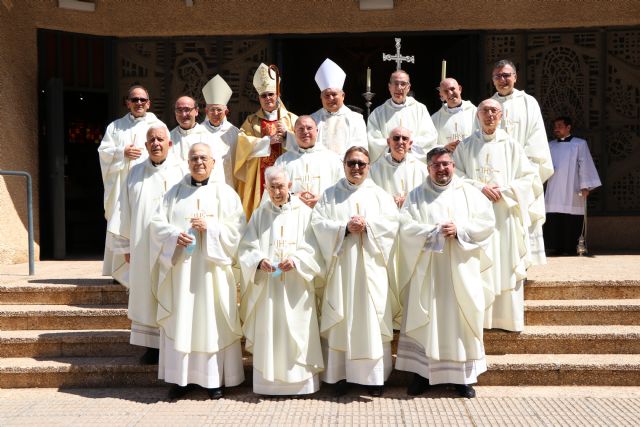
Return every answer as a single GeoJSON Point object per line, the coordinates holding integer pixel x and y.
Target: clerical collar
{"type": "Point", "coordinates": [393, 160]}
{"type": "Point", "coordinates": [306, 150]}
{"type": "Point", "coordinates": [271, 116]}
{"type": "Point", "coordinates": [567, 139]}
{"type": "Point", "coordinates": [351, 186]}
{"type": "Point", "coordinates": [440, 188]}
{"type": "Point", "coordinates": [286, 205]}
{"type": "Point", "coordinates": [199, 183]}
{"type": "Point", "coordinates": [185, 132]}
{"type": "Point", "coordinates": [336, 113]}
{"type": "Point", "coordinates": [136, 119]}
{"type": "Point", "coordinates": [394, 104]}
{"type": "Point", "coordinates": [453, 110]}
{"type": "Point", "coordinates": [155, 165]}
{"type": "Point", "coordinates": [489, 137]}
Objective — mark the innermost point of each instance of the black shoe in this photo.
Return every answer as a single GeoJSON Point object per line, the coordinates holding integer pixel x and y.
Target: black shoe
{"type": "Point", "coordinates": [418, 386]}
{"type": "Point", "coordinates": [341, 388]}
{"type": "Point", "coordinates": [465, 391]}
{"type": "Point", "coordinates": [215, 393]}
{"type": "Point", "coordinates": [150, 357]}
{"type": "Point", "coordinates": [375, 390]}
{"type": "Point", "coordinates": [178, 391]}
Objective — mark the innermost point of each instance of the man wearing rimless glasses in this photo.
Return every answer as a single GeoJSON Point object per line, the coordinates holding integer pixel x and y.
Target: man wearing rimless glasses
{"type": "Point", "coordinates": [355, 223]}
{"type": "Point", "coordinates": [121, 148]}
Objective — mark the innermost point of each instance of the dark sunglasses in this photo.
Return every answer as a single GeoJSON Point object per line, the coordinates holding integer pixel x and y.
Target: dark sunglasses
{"type": "Point", "coordinates": [140, 100]}
{"type": "Point", "coordinates": [354, 163]}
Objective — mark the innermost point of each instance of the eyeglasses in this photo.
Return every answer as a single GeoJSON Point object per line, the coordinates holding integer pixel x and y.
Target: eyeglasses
{"type": "Point", "coordinates": [398, 138]}
{"type": "Point", "coordinates": [358, 163]}
{"type": "Point", "coordinates": [267, 95]}
{"type": "Point", "coordinates": [138, 100]}
{"type": "Point", "coordinates": [184, 110]}
{"type": "Point", "coordinates": [195, 159]}
{"type": "Point", "coordinates": [503, 76]}
{"type": "Point", "coordinates": [437, 165]}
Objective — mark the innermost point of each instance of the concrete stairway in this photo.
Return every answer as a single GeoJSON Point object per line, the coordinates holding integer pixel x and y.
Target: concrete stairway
{"type": "Point", "coordinates": [74, 333]}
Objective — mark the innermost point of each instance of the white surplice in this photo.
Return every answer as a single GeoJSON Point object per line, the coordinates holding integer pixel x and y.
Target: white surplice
{"type": "Point", "coordinates": [146, 186]}
{"type": "Point", "coordinates": [455, 124]}
{"type": "Point", "coordinates": [441, 282]}
{"type": "Point", "coordinates": [341, 130]}
{"type": "Point", "coordinates": [115, 166]}
{"type": "Point", "coordinates": [197, 296]}
{"type": "Point", "coordinates": [498, 159]}
{"type": "Point", "coordinates": [357, 305]}
{"type": "Point", "coordinates": [522, 120]}
{"type": "Point", "coordinates": [411, 115]}
{"type": "Point", "coordinates": [573, 170]}
{"type": "Point", "coordinates": [279, 315]}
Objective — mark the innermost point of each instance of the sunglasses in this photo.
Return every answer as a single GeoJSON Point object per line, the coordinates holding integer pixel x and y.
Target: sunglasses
{"type": "Point", "coordinates": [140, 100]}
{"type": "Point", "coordinates": [397, 138]}
{"type": "Point", "coordinates": [354, 163]}
{"type": "Point", "coordinates": [503, 76]}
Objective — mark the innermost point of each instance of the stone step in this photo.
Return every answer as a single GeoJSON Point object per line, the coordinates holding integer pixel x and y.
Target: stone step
{"type": "Point", "coordinates": [20, 317]}
{"type": "Point", "coordinates": [562, 370]}
{"type": "Point", "coordinates": [67, 343]}
{"type": "Point", "coordinates": [64, 291]}
{"type": "Point", "coordinates": [552, 290]}
{"type": "Point", "coordinates": [504, 370]}
{"type": "Point", "coordinates": [582, 312]}
{"type": "Point", "coordinates": [565, 339]}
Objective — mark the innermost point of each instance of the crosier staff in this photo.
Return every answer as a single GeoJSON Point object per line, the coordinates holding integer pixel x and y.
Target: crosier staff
{"type": "Point", "coordinates": [276, 71]}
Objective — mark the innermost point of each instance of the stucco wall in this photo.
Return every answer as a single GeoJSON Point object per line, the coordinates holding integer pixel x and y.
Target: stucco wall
{"type": "Point", "coordinates": [19, 20]}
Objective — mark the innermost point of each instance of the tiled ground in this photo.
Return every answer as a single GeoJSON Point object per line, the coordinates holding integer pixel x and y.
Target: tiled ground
{"type": "Point", "coordinates": [521, 406]}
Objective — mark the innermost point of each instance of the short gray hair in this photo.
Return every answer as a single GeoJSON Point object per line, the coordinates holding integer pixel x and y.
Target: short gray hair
{"type": "Point", "coordinates": [504, 63]}
{"type": "Point", "coordinates": [273, 171]}
{"type": "Point", "coordinates": [159, 125]}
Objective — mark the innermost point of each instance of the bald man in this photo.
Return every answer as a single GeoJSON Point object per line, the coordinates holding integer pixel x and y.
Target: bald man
{"type": "Point", "coordinates": [456, 120]}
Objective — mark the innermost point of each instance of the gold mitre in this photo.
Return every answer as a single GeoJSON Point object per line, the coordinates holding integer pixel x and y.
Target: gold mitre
{"type": "Point", "coordinates": [330, 75]}
{"type": "Point", "coordinates": [262, 82]}
{"type": "Point", "coordinates": [216, 91]}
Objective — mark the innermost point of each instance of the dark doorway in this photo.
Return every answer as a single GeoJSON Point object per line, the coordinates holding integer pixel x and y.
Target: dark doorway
{"type": "Point", "coordinates": [76, 103]}
{"type": "Point", "coordinates": [300, 59]}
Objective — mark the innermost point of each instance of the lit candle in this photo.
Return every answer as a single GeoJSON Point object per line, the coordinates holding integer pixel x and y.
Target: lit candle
{"type": "Point", "coordinates": [368, 79]}
{"type": "Point", "coordinates": [443, 74]}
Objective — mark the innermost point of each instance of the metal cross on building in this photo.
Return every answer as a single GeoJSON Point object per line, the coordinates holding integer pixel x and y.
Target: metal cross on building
{"type": "Point", "coordinates": [398, 57]}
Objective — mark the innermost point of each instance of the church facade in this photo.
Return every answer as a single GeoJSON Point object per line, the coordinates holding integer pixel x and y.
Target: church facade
{"type": "Point", "coordinates": [66, 66]}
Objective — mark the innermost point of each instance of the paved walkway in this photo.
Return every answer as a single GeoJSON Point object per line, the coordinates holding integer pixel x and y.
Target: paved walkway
{"type": "Point", "coordinates": [507, 406]}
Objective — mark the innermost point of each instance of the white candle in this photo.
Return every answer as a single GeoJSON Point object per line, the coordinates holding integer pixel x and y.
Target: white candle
{"type": "Point", "coordinates": [443, 74]}
{"type": "Point", "coordinates": [368, 79]}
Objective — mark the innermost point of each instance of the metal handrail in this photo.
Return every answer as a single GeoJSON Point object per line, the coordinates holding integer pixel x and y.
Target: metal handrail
{"type": "Point", "coordinates": [32, 267]}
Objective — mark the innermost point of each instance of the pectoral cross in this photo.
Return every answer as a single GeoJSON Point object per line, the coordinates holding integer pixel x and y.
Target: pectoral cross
{"type": "Point", "coordinates": [307, 182]}
{"type": "Point", "coordinates": [486, 173]}
{"type": "Point", "coordinates": [398, 57]}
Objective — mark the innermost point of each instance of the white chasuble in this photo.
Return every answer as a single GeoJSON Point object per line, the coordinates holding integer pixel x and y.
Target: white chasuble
{"type": "Point", "coordinates": [197, 294]}
{"type": "Point", "coordinates": [223, 140]}
{"type": "Point", "coordinates": [411, 115]}
{"type": "Point", "coordinates": [398, 178]}
{"type": "Point", "coordinates": [341, 130]}
{"type": "Point", "coordinates": [455, 124]}
{"type": "Point", "coordinates": [312, 169]}
{"type": "Point", "coordinates": [358, 304]}
{"type": "Point", "coordinates": [146, 186]}
{"type": "Point", "coordinates": [441, 281]}
{"type": "Point", "coordinates": [498, 159]}
{"type": "Point", "coordinates": [183, 139]}
{"type": "Point", "coordinates": [522, 120]}
{"type": "Point", "coordinates": [279, 310]}
{"type": "Point", "coordinates": [115, 167]}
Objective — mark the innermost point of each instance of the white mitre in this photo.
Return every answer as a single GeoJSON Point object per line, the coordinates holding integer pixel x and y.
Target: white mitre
{"type": "Point", "coordinates": [330, 75]}
{"type": "Point", "coordinates": [262, 81]}
{"type": "Point", "coordinates": [217, 91]}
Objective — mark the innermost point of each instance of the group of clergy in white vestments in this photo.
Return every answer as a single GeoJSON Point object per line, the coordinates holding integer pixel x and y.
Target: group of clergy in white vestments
{"type": "Point", "coordinates": [314, 237]}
